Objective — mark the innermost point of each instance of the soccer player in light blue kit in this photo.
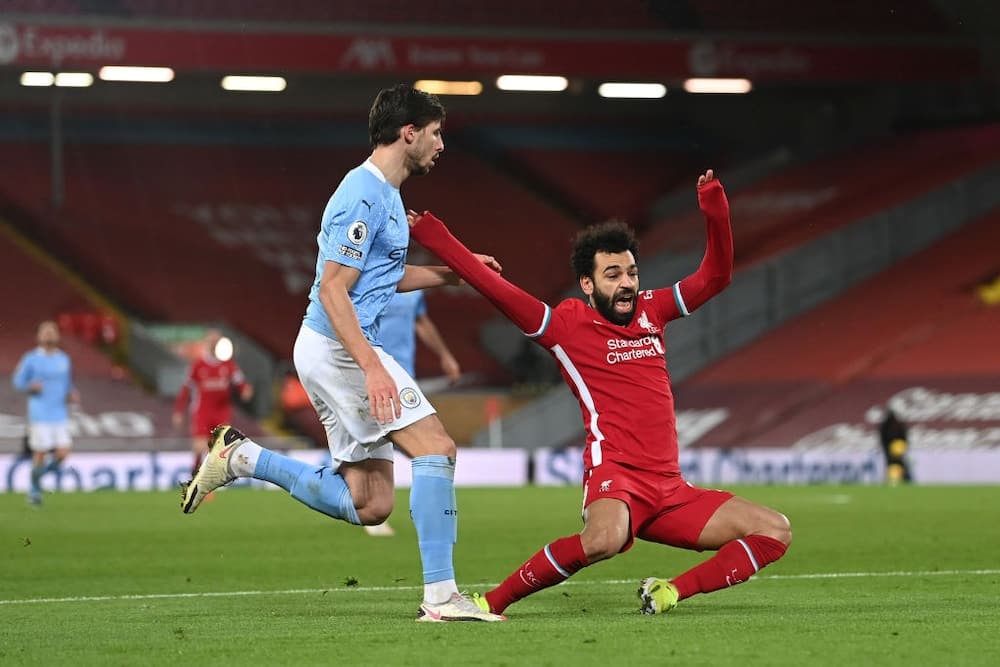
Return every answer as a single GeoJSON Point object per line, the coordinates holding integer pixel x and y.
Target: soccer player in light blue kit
{"type": "Point", "coordinates": [403, 321]}
{"type": "Point", "coordinates": [45, 374]}
{"type": "Point", "coordinates": [366, 401]}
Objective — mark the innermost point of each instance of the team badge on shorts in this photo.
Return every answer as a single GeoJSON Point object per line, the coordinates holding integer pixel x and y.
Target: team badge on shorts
{"type": "Point", "coordinates": [409, 398]}
{"type": "Point", "coordinates": [357, 232]}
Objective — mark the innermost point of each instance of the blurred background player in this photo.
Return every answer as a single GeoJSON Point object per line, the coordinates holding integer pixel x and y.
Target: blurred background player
{"type": "Point", "coordinates": [207, 393]}
{"type": "Point", "coordinates": [895, 445]}
{"type": "Point", "coordinates": [403, 321]}
{"type": "Point", "coordinates": [46, 375]}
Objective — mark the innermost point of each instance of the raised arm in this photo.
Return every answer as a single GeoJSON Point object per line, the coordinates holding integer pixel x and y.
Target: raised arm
{"type": "Point", "coordinates": [716, 269]}
{"type": "Point", "coordinates": [528, 313]}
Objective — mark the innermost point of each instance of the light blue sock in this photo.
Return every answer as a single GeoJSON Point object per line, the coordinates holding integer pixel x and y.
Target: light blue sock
{"type": "Point", "coordinates": [318, 487]}
{"type": "Point", "coordinates": [435, 516]}
{"type": "Point", "coordinates": [51, 466]}
{"type": "Point", "coordinates": [36, 477]}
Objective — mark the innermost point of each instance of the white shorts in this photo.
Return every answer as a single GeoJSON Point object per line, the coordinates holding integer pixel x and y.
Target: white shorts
{"type": "Point", "coordinates": [47, 436]}
{"type": "Point", "coordinates": [336, 387]}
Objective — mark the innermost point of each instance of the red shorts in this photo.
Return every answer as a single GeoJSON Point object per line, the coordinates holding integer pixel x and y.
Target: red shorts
{"type": "Point", "coordinates": [662, 509]}
{"type": "Point", "coordinates": [203, 423]}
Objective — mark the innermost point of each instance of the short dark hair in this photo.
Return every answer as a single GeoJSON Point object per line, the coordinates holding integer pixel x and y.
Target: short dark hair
{"type": "Point", "coordinates": [397, 107]}
{"type": "Point", "coordinates": [611, 236]}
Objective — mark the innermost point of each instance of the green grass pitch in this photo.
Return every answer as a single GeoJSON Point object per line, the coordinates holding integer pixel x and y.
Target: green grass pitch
{"type": "Point", "coordinates": [886, 576]}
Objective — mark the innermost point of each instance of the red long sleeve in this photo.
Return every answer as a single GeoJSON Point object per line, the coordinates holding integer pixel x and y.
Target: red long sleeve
{"type": "Point", "coordinates": [524, 310]}
{"type": "Point", "coordinates": [181, 402]}
{"type": "Point", "coordinates": [716, 269]}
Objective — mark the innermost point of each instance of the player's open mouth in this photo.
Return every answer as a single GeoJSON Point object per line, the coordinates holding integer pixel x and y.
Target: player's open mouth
{"type": "Point", "coordinates": [624, 303]}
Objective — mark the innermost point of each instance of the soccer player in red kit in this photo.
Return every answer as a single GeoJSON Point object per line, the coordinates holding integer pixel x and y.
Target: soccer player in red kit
{"type": "Point", "coordinates": [610, 352]}
{"type": "Point", "coordinates": [210, 383]}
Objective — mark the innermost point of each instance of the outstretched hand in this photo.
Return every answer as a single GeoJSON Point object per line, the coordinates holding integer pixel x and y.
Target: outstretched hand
{"type": "Point", "coordinates": [412, 218]}
{"type": "Point", "coordinates": [489, 261]}
{"type": "Point", "coordinates": [712, 196]}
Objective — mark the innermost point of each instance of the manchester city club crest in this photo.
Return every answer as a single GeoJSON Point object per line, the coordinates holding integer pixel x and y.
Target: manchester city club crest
{"type": "Point", "coordinates": [409, 398]}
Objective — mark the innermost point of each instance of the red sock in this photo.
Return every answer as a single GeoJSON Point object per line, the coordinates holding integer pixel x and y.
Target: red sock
{"type": "Point", "coordinates": [197, 464]}
{"type": "Point", "coordinates": [550, 566]}
{"type": "Point", "coordinates": [733, 564]}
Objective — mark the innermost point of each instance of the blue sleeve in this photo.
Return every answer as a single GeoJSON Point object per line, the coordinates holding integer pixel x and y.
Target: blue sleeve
{"type": "Point", "coordinates": [22, 374]}
{"type": "Point", "coordinates": [348, 234]}
{"type": "Point", "coordinates": [421, 307]}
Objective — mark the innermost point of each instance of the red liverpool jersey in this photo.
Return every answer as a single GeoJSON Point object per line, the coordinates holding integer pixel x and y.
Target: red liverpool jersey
{"type": "Point", "coordinates": [210, 384]}
{"type": "Point", "coordinates": [619, 375]}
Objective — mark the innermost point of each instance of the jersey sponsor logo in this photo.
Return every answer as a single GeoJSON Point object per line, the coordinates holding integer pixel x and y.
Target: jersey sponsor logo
{"type": "Point", "coordinates": [622, 349]}
{"type": "Point", "coordinates": [368, 204]}
{"type": "Point", "coordinates": [398, 254]}
{"type": "Point", "coordinates": [353, 253]}
{"type": "Point", "coordinates": [409, 398]}
{"type": "Point", "coordinates": [357, 232]}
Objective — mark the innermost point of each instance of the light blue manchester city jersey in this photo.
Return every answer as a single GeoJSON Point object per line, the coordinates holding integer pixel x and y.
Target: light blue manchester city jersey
{"type": "Point", "coordinates": [364, 227]}
{"type": "Point", "coordinates": [53, 371]}
{"type": "Point", "coordinates": [396, 330]}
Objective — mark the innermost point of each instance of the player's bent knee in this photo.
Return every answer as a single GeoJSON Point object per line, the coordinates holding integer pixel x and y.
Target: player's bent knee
{"type": "Point", "coordinates": [778, 527]}
{"type": "Point", "coordinates": [375, 511]}
{"type": "Point", "coordinates": [446, 447]}
{"type": "Point", "coordinates": [602, 544]}
{"type": "Point", "coordinates": [425, 438]}
{"type": "Point", "coordinates": [440, 445]}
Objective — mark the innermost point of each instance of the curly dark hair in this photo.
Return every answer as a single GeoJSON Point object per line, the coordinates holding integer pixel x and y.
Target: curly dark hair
{"type": "Point", "coordinates": [398, 106]}
{"type": "Point", "coordinates": [610, 236]}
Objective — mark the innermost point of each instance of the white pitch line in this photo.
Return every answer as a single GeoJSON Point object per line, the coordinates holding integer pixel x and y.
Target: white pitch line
{"type": "Point", "coordinates": [382, 589]}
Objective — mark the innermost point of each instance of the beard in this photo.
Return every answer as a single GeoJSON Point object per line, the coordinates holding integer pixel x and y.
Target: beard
{"type": "Point", "coordinates": [416, 168]}
{"type": "Point", "coordinates": [605, 305]}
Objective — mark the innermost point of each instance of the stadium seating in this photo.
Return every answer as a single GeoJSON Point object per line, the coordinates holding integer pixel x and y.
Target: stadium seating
{"type": "Point", "coordinates": [866, 17]}
{"type": "Point", "coordinates": [603, 184]}
{"type": "Point", "coordinates": [117, 413]}
{"type": "Point", "coordinates": [853, 17]}
{"type": "Point", "coordinates": [208, 233]}
{"type": "Point", "coordinates": [806, 201]}
{"type": "Point", "coordinates": [580, 13]}
{"type": "Point", "coordinates": [42, 6]}
{"type": "Point", "coordinates": [35, 293]}
{"type": "Point", "coordinates": [921, 323]}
